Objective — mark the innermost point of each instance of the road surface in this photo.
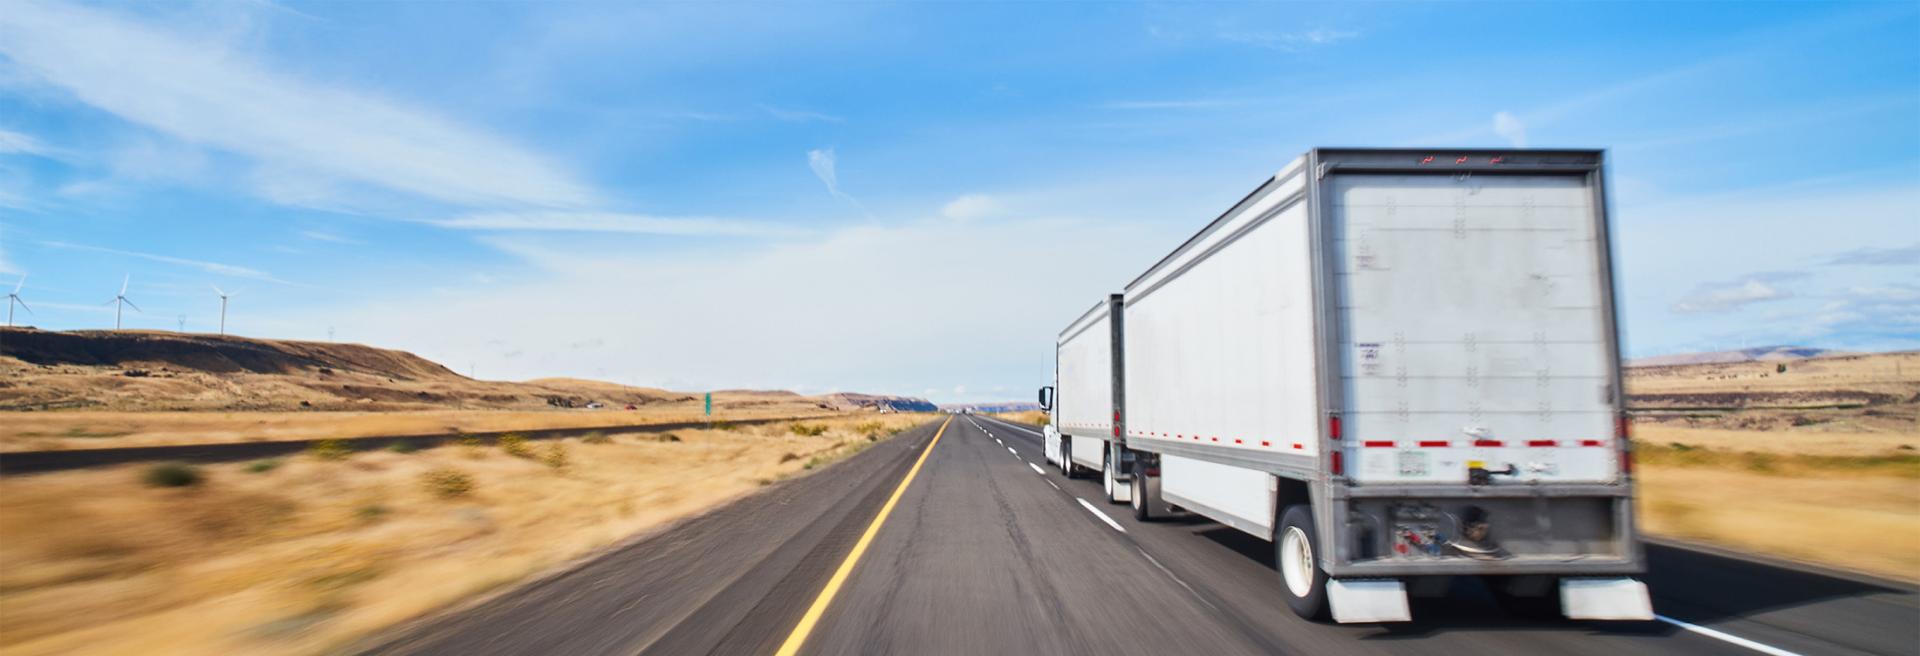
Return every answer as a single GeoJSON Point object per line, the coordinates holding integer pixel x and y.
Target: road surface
{"type": "Point", "coordinates": [985, 550]}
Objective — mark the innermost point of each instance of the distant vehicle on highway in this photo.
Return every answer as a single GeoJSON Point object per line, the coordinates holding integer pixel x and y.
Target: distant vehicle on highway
{"type": "Point", "coordinates": [1399, 366]}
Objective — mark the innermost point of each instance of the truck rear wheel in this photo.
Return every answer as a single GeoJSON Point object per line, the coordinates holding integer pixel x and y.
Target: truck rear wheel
{"type": "Point", "coordinates": [1142, 508]}
{"type": "Point", "coordinates": [1300, 574]}
{"type": "Point", "coordinates": [1107, 484]}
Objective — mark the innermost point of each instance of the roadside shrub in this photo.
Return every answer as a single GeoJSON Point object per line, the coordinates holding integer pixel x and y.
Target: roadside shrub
{"type": "Point", "coordinates": [263, 466]}
{"type": "Point", "coordinates": [871, 429]}
{"type": "Point", "coordinates": [1760, 462]}
{"type": "Point", "coordinates": [596, 437]}
{"type": "Point", "coordinates": [371, 512]}
{"type": "Point", "coordinates": [402, 447]}
{"type": "Point", "coordinates": [806, 430]}
{"type": "Point", "coordinates": [788, 457]}
{"type": "Point", "coordinates": [172, 474]}
{"type": "Point", "coordinates": [515, 444]}
{"type": "Point", "coordinates": [329, 450]}
{"type": "Point", "coordinates": [722, 425]}
{"type": "Point", "coordinates": [666, 437]}
{"type": "Point", "coordinates": [447, 482]}
{"type": "Point", "coordinates": [556, 457]}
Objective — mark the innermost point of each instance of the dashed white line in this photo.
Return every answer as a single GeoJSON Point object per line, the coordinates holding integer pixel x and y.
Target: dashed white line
{"type": "Point", "coordinates": [1096, 513]}
{"type": "Point", "coordinates": [1055, 485]}
{"type": "Point", "coordinates": [1016, 454]}
{"type": "Point", "coordinates": [1037, 469]}
{"type": "Point", "coordinates": [1726, 637]}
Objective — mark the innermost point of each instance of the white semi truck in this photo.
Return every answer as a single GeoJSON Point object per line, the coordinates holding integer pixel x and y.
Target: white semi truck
{"type": "Point", "coordinates": [1399, 366]}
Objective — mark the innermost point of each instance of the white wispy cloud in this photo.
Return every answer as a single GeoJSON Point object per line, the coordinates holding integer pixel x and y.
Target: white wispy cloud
{"type": "Point", "coordinates": [1870, 256]}
{"type": "Point", "coordinates": [203, 265]}
{"type": "Point", "coordinates": [1510, 127]}
{"type": "Point", "coordinates": [825, 167]}
{"type": "Point", "coordinates": [1288, 41]}
{"type": "Point", "coordinates": [1727, 296]}
{"type": "Point", "coordinates": [1195, 103]}
{"type": "Point", "coordinates": [706, 312]}
{"type": "Point", "coordinates": [615, 222]}
{"type": "Point", "coordinates": [970, 206]}
{"type": "Point", "coordinates": [16, 143]}
{"type": "Point", "coordinates": [800, 115]}
{"type": "Point", "coordinates": [205, 93]}
{"type": "Point", "coordinates": [322, 235]}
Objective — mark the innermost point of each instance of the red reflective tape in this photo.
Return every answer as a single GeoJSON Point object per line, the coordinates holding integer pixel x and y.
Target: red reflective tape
{"type": "Point", "coordinates": [1486, 443]}
{"type": "Point", "coordinates": [1216, 438]}
{"type": "Point", "coordinates": [1540, 443]}
{"type": "Point", "coordinates": [1378, 443]}
{"type": "Point", "coordinates": [1299, 447]}
{"type": "Point", "coordinates": [1433, 443]}
{"type": "Point", "coordinates": [1237, 441]}
{"type": "Point", "coordinates": [1590, 443]}
{"type": "Point", "coordinates": [1265, 443]}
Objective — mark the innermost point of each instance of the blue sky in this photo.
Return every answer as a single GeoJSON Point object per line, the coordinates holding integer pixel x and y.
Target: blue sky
{"type": "Point", "coordinates": [899, 198]}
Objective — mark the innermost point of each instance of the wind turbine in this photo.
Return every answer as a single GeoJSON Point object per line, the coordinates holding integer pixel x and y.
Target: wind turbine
{"type": "Point", "coordinates": [223, 307]}
{"type": "Point", "coordinates": [122, 300]}
{"type": "Point", "coordinates": [14, 297]}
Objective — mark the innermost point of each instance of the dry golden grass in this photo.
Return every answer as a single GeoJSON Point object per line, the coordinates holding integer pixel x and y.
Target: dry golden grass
{"type": "Point", "coordinates": [1814, 443]}
{"type": "Point", "coordinates": [1897, 373]}
{"type": "Point", "coordinates": [312, 554]}
{"type": "Point", "coordinates": [1868, 523]}
{"type": "Point", "coordinates": [82, 429]}
{"type": "Point", "coordinates": [1034, 417]}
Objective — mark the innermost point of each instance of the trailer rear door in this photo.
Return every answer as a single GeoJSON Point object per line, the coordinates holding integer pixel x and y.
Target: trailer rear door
{"type": "Point", "coordinates": [1473, 326]}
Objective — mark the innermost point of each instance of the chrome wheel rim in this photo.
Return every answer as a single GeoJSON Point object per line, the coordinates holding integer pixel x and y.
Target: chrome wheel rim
{"type": "Point", "coordinates": [1296, 562]}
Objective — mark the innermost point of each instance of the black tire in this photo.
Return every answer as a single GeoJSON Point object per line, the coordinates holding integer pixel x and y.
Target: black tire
{"type": "Point", "coordinates": [1539, 604]}
{"type": "Point", "coordinates": [1066, 458]}
{"type": "Point", "coordinates": [1142, 509]}
{"type": "Point", "coordinates": [1313, 604]}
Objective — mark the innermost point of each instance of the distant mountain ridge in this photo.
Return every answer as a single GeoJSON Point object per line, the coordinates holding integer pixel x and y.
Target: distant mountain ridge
{"type": "Point", "coordinates": [162, 370]}
{"type": "Point", "coordinates": [1755, 354]}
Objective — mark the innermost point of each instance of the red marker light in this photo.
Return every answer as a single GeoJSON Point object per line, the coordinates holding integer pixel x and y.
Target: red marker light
{"type": "Point", "coordinates": [1496, 160]}
{"type": "Point", "coordinates": [1336, 463]}
{"type": "Point", "coordinates": [1333, 427]}
{"type": "Point", "coordinates": [1427, 160]}
{"type": "Point", "coordinates": [1462, 160]}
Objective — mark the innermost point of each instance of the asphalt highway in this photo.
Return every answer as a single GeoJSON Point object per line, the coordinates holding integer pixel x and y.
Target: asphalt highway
{"type": "Point", "coordinates": [984, 549]}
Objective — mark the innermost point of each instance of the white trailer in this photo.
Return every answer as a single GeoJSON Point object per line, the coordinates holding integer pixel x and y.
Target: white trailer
{"type": "Point", "coordinates": [1399, 366]}
{"type": "Point", "coordinates": [1083, 435]}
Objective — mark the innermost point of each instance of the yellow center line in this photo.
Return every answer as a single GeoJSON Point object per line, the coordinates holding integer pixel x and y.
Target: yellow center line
{"type": "Point", "coordinates": [820, 603]}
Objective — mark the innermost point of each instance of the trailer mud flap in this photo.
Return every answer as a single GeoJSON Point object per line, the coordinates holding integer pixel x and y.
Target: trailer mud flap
{"type": "Point", "coordinates": [1605, 599]}
{"type": "Point", "coordinates": [1368, 600]}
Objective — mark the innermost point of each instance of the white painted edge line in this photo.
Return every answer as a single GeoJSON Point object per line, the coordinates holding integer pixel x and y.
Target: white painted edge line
{"type": "Point", "coordinates": [1096, 513]}
{"type": "Point", "coordinates": [1017, 427]}
{"type": "Point", "coordinates": [1037, 469]}
{"type": "Point", "coordinates": [1016, 454]}
{"type": "Point", "coordinates": [1055, 485]}
{"type": "Point", "coordinates": [1726, 637]}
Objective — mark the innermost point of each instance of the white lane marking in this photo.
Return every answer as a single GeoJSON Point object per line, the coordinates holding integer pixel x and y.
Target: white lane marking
{"type": "Point", "coordinates": [1016, 454]}
{"type": "Point", "coordinates": [1176, 579]}
{"type": "Point", "coordinates": [1096, 513]}
{"type": "Point", "coordinates": [1017, 427]}
{"type": "Point", "coordinates": [1037, 469]}
{"type": "Point", "coordinates": [1055, 485]}
{"type": "Point", "coordinates": [1726, 637]}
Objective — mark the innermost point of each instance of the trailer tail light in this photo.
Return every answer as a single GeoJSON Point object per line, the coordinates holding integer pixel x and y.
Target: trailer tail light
{"type": "Point", "coordinates": [1116, 423]}
{"type": "Point", "coordinates": [1333, 427]}
{"type": "Point", "coordinates": [1337, 469]}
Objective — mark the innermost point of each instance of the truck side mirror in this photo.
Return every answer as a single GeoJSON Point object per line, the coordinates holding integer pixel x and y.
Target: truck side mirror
{"type": "Point", "coordinates": [1046, 398]}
